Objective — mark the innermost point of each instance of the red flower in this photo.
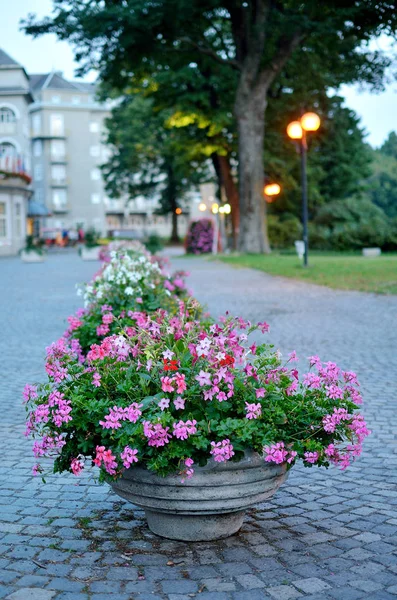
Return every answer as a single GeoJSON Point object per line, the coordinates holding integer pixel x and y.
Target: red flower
{"type": "Point", "coordinates": [170, 365]}
{"type": "Point", "coordinates": [228, 360]}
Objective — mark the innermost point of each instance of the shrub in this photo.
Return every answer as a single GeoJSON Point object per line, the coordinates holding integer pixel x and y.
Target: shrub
{"type": "Point", "coordinates": [200, 237]}
{"type": "Point", "coordinates": [348, 225]}
{"type": "Point", "coordinates": [154, 243]}
{"type": "Point", "coordinates": [284, 230]}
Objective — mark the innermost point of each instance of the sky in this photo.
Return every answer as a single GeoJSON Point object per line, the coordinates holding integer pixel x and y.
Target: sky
{"type": "Point", "coordinates": [378, 112]}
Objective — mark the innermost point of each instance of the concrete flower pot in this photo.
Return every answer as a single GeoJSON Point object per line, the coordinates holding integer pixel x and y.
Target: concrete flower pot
{"type": "Point", "coordinates": [32, 257]}
{"type": "Point", "coordinates": [90, 253]}
{"type": "Point", "coordinates": [209, 506]}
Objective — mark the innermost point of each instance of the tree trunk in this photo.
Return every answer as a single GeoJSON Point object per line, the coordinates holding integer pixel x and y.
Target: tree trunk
{"type": "Point", "coordinates": [250, 115]}
{"type": "Point", "coordinates": [224, 174]}
{"type": "Point", "coordinates": [231, 191]}
{"type": "Point", "coordinates": [174, 232]}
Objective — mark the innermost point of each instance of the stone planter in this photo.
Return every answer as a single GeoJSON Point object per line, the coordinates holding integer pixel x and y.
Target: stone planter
{"type": "Point", "coordinates": [209, 506]}
{"type": "Point", "coordinates": [90, 253]}
{"type": "Point", "coordinates": [32, 257]}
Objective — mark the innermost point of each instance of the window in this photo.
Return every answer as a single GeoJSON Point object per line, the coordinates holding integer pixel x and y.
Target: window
{"type": "Point", "coordinates": [18, 219]}
{"type": "Point", "coordinates": [36, 124]}
{"type": "Point", "coordinates": [94, 151]}
{"type": "Point", "coordinates": [38, 172]}
{"type": "Point", "coordinates": [7, 115]}
{"type": "Point", "coordinates": [58, 149]}
{"type": "Point", "coordinates": [95, 199]}
{"type": "Point", "coordinates": [7, 149]}
{"type": "Point", "coordinates": [37, 148]}
{"type": "Point", "coordinates": [76, 99]}
{"type": "Point", "coordinates": [59, 199]}
{"type": "Point", "coordinates": [56, 99]}
{"type": "Point", "coordinates": [38, 196]}
{"type": "Point", "coordinates": [56, 125]}
{"type": "Point", "coordinates": [3, 220]}
{"type": "Point", "coordinates": [94, 127]}
{"type": "Point", "coordinates": [58, 173]}
{"type": "Point", "coordinates": [95, 174]}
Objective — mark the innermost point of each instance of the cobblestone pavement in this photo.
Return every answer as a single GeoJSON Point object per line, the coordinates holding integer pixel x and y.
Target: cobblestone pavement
{"type": "Point", "coordinates": [326, 535]}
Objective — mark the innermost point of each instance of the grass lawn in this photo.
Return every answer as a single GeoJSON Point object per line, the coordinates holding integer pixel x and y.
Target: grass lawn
{"type": "Point", "coordinates": [344, 271]}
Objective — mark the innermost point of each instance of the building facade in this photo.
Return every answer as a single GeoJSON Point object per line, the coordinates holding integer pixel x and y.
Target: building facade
{"type": "Point", "coordinates": [53, 130]}
{"type": "Point", "coordinates": [67, 131]}
{"type": "Point", "coordinates": [15, 98]}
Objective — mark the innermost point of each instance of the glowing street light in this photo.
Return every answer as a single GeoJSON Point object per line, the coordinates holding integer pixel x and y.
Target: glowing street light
{"type": "Point", "coordinates": [178, 211]}
{"type": "Point", "coordinates": [271, 190]}
{"type": "Point", "coordinates": [296, 131]}
{"type": "Point", "coordinates": [202, 207]}
{"type": "Point", "coordinates": [215, 208]}
{"type": "Point", "coordinates": [310, 121]}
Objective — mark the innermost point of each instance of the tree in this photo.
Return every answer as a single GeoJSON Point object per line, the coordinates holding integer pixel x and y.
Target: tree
{"type": "Point", "coordinates": [150, 158]}
{"type": "Point", "coordinates": [381, 185]}
{"type": "Point", "coordinates": [255, 38]}
{"type": "Point", "coordinates": [389, 146]}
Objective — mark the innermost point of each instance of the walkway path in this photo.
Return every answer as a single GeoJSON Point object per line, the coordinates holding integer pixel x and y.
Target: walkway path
{"type": "Point", "coordinates": [326, 535]}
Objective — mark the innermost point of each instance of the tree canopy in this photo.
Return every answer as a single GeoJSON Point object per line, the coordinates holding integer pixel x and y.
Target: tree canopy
{"type": "Point", "coordinates": [150, 157]}
{"type": "Point", "coordinates": [251, 43]}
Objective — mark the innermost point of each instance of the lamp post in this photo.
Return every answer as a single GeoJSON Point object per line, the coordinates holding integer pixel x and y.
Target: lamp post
{"type": "Point", "coordinates": [297, 131]}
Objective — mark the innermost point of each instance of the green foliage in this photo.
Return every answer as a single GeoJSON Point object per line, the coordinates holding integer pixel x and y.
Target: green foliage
{"type": "Point", "coordinates": [381, 186]}
{"type": "Point", "coordinates": [154, 243]}
{"type": "Point", "coordinates": [284, 230]}
{"type": "Point", "coordinates": [213, 56]}
{"type": "Point", "coordinates": [150, 157]}
{"type": "Point", "coordinates": [92, 237]}
{"type": "Point", "coordinates": [338, 158]}
{"type": "Point", "coordinates": [337, 270]}
{"type": "Point", "coordinates": [350, 224]}
{"type": "Point", "coordinates": [33, 244]}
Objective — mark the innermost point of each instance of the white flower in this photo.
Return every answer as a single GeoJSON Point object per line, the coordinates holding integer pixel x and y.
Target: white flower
{"type": "Point", "coordinates": [129, 291]}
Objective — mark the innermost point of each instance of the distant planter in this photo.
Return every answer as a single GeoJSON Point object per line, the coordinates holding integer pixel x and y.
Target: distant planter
{"type": "Point", "coordinates": [90, 253]}
{"type": "Point", "coordinates": [32, 256]}
{"type": "Point", "coordinates": [209, 506]}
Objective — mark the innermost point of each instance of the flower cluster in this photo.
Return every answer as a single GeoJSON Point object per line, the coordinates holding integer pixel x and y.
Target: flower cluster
{"type": "Point", "coordinates": [128, 384]}
{"type": "Point", "coordinates": [200, 237]}
{"type": "Point", "coordinates": [175, 392]}
{"type": "Point", "coordinates": [130, 279]}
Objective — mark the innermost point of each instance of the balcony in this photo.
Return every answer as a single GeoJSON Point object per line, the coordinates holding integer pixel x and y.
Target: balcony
{"type": "Point", "coordinates": [58, 183]}
{"type": "Point", "coordinates": [46, 136]}
{"type": "Point", "coordinates": [58, 210]}
{"type": "Point", "coordinates": [58, 160]}
{"type": "Point", "coordinates": [8, 128]}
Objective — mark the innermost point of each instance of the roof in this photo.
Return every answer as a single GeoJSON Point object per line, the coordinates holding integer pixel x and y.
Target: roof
{"type": "Point", "coordinates": [56, 81]}
{"type": "Point", "coordinates": [37, 81]}
{"type": "Point", "coordinates": [7, 61]}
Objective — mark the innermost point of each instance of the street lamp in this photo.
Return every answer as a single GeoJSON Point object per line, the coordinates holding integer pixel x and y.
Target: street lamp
{"type": "Point", "coordinates": [271, 190]}
{"type": "Point", "coordinates": [297, 130]}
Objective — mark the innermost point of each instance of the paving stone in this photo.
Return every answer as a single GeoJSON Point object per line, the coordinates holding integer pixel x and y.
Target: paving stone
{"type": "Point", "coordinates": [283, 592]}
{"type": "Point", "coordinates": [311, 585]}
{"type": "Point", "coordinates": [250, 582]}
{"type": "Point", "coordinates": [217, 584]}
{"type": "Point", "coordinates": [185, 586]}
{"type": "Point", "coordinates": [329, 526]}
{"type": "Point", "coordinates": [31, 594]}
{"type": "Point", "coordinates": [366, 585]}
